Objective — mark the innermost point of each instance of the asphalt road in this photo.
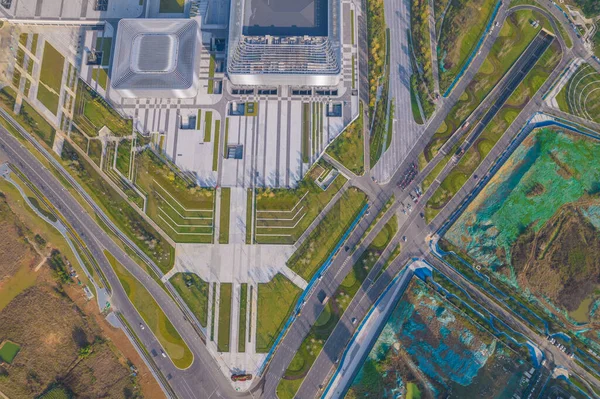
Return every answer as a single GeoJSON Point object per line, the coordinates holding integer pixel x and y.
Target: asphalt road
{"type": "Point", "coordinates": [201, 379]}
{"type": "Point", "coordinates": [368, 294]}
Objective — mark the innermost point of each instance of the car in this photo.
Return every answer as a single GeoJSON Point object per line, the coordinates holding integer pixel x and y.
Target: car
{"type": "Point", "coordinates": [142, 326]}
{"type": "Point", "coordinates": [162, 353]}
{"type": "Point", "coordinates": [422, 215]}
{"type": "Point", "coordinates": [346, 248]}
{"type": "Point", "coordinates": [353, 321]}
{"type": "Point", "coordinates": [404, 238]}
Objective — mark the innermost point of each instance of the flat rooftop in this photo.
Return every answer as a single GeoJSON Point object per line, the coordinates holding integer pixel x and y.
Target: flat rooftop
{"type": "Point", "coordinates": [285, 17]}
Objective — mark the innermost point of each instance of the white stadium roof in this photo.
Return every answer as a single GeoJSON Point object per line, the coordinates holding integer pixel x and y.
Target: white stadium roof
{"type": "Point", "coordinates": [156, 58]}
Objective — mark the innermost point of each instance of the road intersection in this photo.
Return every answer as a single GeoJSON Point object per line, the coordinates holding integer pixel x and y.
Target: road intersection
{"type": "Point", "coordinates": [202, 379]}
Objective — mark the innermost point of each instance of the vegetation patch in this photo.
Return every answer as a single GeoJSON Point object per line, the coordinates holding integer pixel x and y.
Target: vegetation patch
{"type": "Point", "coordinates": [463, 24]}
{"type": "Point", "coordinates": [282, 215]}
{"type": "Point", "coordinates": [349, 147]}
{"type": "Point", "coordinates": [224, 215]}
{"type": "Point", "coordinates": [171, 6]}
{"type": "Point", "coordinates": [8, 351]}
{"type": "Point", "coordinates": [48, 98]}
{"type": "Point", "coordinates": [276, 300]}
{"type": "Point", "coordinates": [515, 35]}
{"type": "Point", "coordinates": [483, 144]}
{"type": "Point", "coordinates": [153, 315]}
{"type": "Point", "coordinates": [323, 239]}
{"type": "Point", "coordinates": [580, 96]}
{"type": "Point", "coordinates": [92, 112]}
{"type": "Point", "coordinates": [194, 292]}
{"type": "Point", "coordinates": [422, 80]}
{"type": "Point", "coordinates": [175, 202]}
{"type": "Point", "coordinates": [224, 318]}
{"type": "Point", "coordinates": [242, 320]}
{"type": "Point", "coordinates": [52, 68]}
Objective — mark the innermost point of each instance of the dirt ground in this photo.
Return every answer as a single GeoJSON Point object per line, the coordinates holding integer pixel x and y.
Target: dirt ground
{"type": "Point", "coordinates": [64, 338]}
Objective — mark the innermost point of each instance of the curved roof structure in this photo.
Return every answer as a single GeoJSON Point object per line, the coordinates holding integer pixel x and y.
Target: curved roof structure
{"type": "Point", "coordinates": [156, 58]}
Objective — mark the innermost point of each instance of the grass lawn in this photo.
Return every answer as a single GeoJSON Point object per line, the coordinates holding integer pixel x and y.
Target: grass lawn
{"type": "Point", "coordinates": [104, 45]}
{"type": "Point", "coordinates": [92, 113]}
{"type": "Point", "coordinates": [376, 38]}
{"type": "Point", "coordinates": [48, 98]}
{"type": "Point", "coordinates": [207, 126]}
{"type": "Point", "coordinates": [95, 151]}
{"type": "Point", "coordinates": [282, 215]}
{"type": "Point", "coordinates": [515, 35]}
{"type": "Point", "coordinates": [305, 132]}
{"type": "Point", "coordinates": [38, 125]}
{"type": "Point", "coordinates": [52, 68]}
{"type": "Point", "coordinates": [414, 104]}
{"type": "Point", "coordinates": [349, 147]}
{"type": "Point", "coordinates": [194, 292]}
{"type": "Point", "coordinates": [493, 132]}
{"type": "Point", "coordinates": [580, 95]}
{"type": "Point", "coordinates": [153, 315]}
{"type": "Point", "coordinates": [224, 216]}
{"type": "Point", "coordinates": [121, 213]}
{"type": "Point", "coordinates": [464, 23]}
{"type": "Point", "coordinates": [242, 322]}
{"type": "Point", "coordinates": [379, 129]}
{"type": "Point", "coordinates": [171, 6]}
{"type": "Point", "coordinates": [212, 311]}
{"type": "Point", "coordinates": [211, 74]}
{"type": "Point", "coordinates": [180, 207]}
{"type": "Point", "coordinates": [275, 304]}
{"type": "Point", "coordinates": [215, 164]}
{"type": "Point", "coordinates": [224, 318]}
{"type": "Point", "coordinates": [124, 156]}
{"type": "Point", "coordinates": [8, 351]}
{"type": "Point", "coordinates": [323, 239]}
{"type": "Point", "coordinates": [100, 75]}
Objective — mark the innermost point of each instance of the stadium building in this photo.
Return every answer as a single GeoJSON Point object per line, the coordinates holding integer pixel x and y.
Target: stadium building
{"type": "Point", "coordinates": [284, 42]}
{"type": "Point", "coordinates": [156, 58]}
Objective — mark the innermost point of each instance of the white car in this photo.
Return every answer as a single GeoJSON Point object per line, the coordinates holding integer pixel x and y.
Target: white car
{"type": "Point", "coordinates": [404, 238]}
{"type": "Point", "coordinates": [163, 353]}
{"type": "Point", "coordinates": [142, 326]}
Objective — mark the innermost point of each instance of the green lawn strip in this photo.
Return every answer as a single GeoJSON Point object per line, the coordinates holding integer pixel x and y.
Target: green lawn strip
{"type": "Point", "coordinates": [226, 138]}
{"type": "Point", "coordinates": [295, 208]}
{"type": "Point", "coordinates": [174, 201]}
{"type": "Point", "coordinates": [392, 258]}
{"type": "Point", "coordinates": [36, 123]}
{"type": "Point", "coordinates": [224, 215]}
{"type": "Point", "coordinates": [104, 45]}
{"type": "Point", "coordinates": [120, 212]}
{"type": "Point", "coordinates": [16, 80]}
{"type": "Point", "coordinates": [419, 18]}
{"type": "Point", "coordinates": [211, 74]}
{"type": "Point", "coordinates": [34, 43]}
{"type": "Point", "coordinates": [100, 75]}
{"type": "Point", "coordinates": [348, 147]}
{"type": "Point", "coordinates": [352, 25]}
{"type": "Point", "coordinates": [27, 88]}
{"type": "Point", "coordinates": [249, 216]}
{"type": "Point", "coordinates": [224, 318]}
{"type": "Point", "coordinates": [52, 68]}
{"type": "Point", "coordinates": [198, 119]}
{"type": "Point", "coordinates": [242, 322]}
{"type": "Point", "coordinates": [23, 39]}
{"type": "Point", "coordinates": [92, 113]}
{"type": "Point", "coordinates": [215, 164]}
{"type": "Point", "coordinates": [323, 239]}
{"type": "Point", "coordinates": [464, 23]}
{"type": "Point", "coordinates": [95, 151]}
{"type": "Point", "coordinates": [390, 128]}
{"type": "Point", "coordinates": [276, 300]}
{"type": "Point", "coordinates": [493, 131]}
{"type": "Point", "coordinates": [305, 132]}
{"type": "Point", "coordinates": [171, 6]}
{"type": "Point", "coordinates": [207, 126]}
{"type": "Point", "coordinates": [9, 351]}
{"type": "Point", "coordinates": [48, 98]}
{"type": "Point", "coordinates": [309, 351]}
{"type": "Point", "coordinates": [153, 315]}
{"type": "Point", "coordinates": [213, 311]}
{"type": "Point", "coordinates": [515, 35]}
{"type": "Point", "coordinates": [124, 156]}
{"type": "Point", "coordinates": [194, 292]}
